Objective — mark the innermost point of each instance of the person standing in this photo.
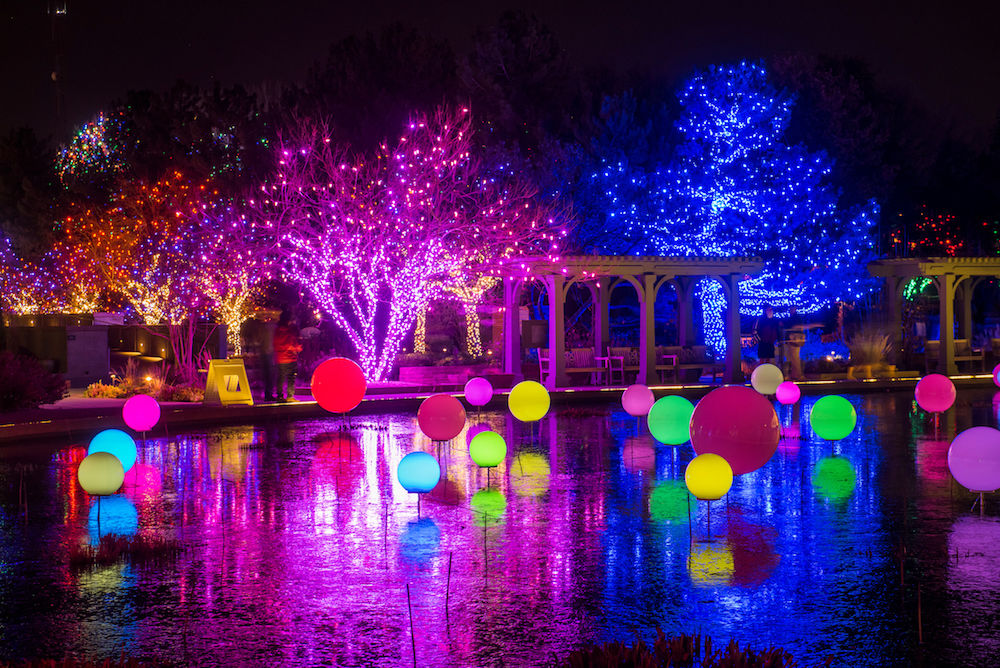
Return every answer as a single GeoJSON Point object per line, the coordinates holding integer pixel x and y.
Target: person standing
{"type": "Point", "coordinates": [767, 330]}
{"type": "Point", "coordinates": [286, 353]}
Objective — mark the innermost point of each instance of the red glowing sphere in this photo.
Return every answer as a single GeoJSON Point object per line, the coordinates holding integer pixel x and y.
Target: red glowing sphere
{"type": "Point", "coordinates": [738, 424]}
{"type": "Point", "coordinates": [441, 417]}
{"type": "Point", "coordinates": [339, 385]}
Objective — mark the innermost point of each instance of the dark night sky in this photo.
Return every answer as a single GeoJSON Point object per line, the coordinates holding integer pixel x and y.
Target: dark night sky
{"type": "Point", "coordinates": [947, 58]}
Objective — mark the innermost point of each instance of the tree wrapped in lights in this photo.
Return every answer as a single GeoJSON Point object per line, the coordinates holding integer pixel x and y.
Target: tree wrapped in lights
{"type": "Point", "coordinates": [372, 240]}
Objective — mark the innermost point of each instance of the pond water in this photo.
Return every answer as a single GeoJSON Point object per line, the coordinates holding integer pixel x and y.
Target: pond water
{"type": "Point", "coordinates": [299, 547]}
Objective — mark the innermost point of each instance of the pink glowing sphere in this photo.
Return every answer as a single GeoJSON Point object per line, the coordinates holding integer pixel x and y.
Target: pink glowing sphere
{"type": "Point", "coordinates": [788, 393]}
{"type": "Point", "coordinates": [996, 375]}
{"type": "Point", "coordinates": [339, 385]}
{"type": "Point", "coordinates": [935, 393]}
{"type": "Point", "coordinates": [637, 400]}
{"type": "Point", "coordinates": [738, 424]}
{"type": "Point", "coordinates": [141, 412]}
{"type": "Point", "coordinates": [974, 459]}
{"type": "Point", "coordinates": [478, 391]}
{"type": "Point", "coordinates": [441, 417]}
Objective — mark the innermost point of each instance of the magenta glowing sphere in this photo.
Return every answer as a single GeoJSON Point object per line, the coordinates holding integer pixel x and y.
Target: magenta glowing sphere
{"type": "Point", "coordinates": [996, 375]}
{"type": "Point", "coordinates": [788, 393]}
{"type": "Point", "coordinates": [478, 391]}
{"type": "Point", "coordinates": [935, 393]}
{"type": "Point", "coordinates": [738, 424]}
{"type": "Point", "coordinates": [637, 400]}
{"type": "Point", "coordinates": [974, 459]}
{"type": "Point", "coordinates": [441, 417]}
{"type": "Point", "coordinates": [339, 385]}
{"type": "Point", "coordinates": [141, 412]}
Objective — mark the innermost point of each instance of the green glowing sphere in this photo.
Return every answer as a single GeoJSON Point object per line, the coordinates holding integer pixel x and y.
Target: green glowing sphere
{"type": "Point", "coordinates": [834, 478]}
{"type": "Point", "coordinates": [487, 449]}
{"type": "Point", "coordinates": [669, 420]}
{"type": "Point", "coordinates": [833, 418]}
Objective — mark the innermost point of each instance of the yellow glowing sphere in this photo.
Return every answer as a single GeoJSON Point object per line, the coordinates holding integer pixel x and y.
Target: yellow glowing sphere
{"type": "Point", "coordinates": [528, 401]}
{"type": "Point", "coordinates": [101, 474]}
{"type": "Point", "coordinates": [708, 476]}
{"type": "Point", "coordinates": [710, 564]}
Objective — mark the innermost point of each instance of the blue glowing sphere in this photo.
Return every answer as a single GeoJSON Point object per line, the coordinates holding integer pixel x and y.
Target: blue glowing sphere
{"type": "Point", "coordinates": [118, 517]}
{"type": "Point", "coordinates": [418, 472]}
{"type": "Point", "coordinates": [118, 443]}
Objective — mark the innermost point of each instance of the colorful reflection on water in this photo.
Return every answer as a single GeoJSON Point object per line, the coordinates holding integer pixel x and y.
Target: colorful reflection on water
{"type": "Point", "coordinates": [299, 545]}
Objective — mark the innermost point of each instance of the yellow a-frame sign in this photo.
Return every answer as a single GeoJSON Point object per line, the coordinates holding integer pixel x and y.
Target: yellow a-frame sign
{"type": "Point", "coordinates": [227, 383]}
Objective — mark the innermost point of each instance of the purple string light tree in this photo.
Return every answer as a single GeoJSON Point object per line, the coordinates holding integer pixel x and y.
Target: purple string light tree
{"type": "Point", "coordinates": [373, 239]}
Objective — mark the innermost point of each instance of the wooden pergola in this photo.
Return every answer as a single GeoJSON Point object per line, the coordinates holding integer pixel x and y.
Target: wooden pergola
{"type": "Point", "coordinates": [953, 276]}
{"type": "Point", "coordinates": [601, 274]}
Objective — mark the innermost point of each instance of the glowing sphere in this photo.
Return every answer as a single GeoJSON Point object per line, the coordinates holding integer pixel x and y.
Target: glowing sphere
{"type": "Point", "coordinates": [418, 472]}
{"type": "Point", "coordinates": [478, 391]}
{"type": "Point", "coordinates": [637, 400]}
{"type": "Point", "coordinates": [669, 420]}
{"type": "Point", "coordinates": [711, 565]}
{"type": "Point", "coordinates": [974, 459]}
{"type": "Point", "coordinates": [738, 424]}
{"type": "Point", "coordinates": [100, 474]}
{"type": "Point", "coordinates": [528, 401]}
{"type": "Point", "coordinates": [668, 502]}
{"type": "Point", "coordinates": [488, 449]}
{"type": "Point", "coordinates": [834, 478]}
{"type": "Point", "coordinates": [118, 517]}
{"type": "Point", "coordinates": [339, 385]}
{"type": "Point", "coordinates": [708, 476]}
{"type": "Point", "coordinates": [833, 418]}
{"type": "Point", "coordinates": [141, 412]}
{"type": "Point", "coordinates": [118, 443]}
{"type": "Point", "coordinates": [441, 417]}
{"type": "Point", "coordinates": [788, 393]}
{"type": "Point", "coordinates": [996, 375]}
{"type": "Point", "coordinates": [766, 378]}
{"type": "Point", "coordinates": [489, 506]}
{"type": "Point", "coordinates": [529, 474]}
{"type": "Point", "coordinates": [935, 393]}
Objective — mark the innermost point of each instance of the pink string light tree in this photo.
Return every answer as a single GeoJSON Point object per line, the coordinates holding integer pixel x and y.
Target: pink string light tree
{"type": "Point", "coordinates": [373, 240]}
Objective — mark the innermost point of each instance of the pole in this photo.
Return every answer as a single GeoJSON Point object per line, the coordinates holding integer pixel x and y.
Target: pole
{"type": "Point", "coordinates": [447, 589]}
{"type": "Point", "coordinates": [413, 638]}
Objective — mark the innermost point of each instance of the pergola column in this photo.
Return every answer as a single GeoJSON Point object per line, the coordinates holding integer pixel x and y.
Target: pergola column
{"type": "Point", "coordinates": [647, 343]}
{"type": "Point", "coordinates": [685, 310]}
{"type": "Point", "coordinates": [734, 372]}
{"type": "Point", "coordinates": [555, 286]}
{"type": "Point", "coordinates": [965, 309]}
{"type": "Point", "coordinates": [600, 292]}
{"type": "Point", "coordinates": [894, 304]}
{"type": "Point", "coordinates": [512, 328]}
{"type": "Point", "coordinates": [946, 302]}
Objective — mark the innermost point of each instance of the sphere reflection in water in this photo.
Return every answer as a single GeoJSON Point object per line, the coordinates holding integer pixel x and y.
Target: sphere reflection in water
{"type": "Point", "coordinates": [668, 502]}
{"type": "Point", "coordinates": [710, 564]}
{"type": "Point", "coordinates": [529, 474]}
{"type": "Point", "coordinates": [489, 507]}
{"type": "Point", "coordinates": [420, 542]}
{"type": "Point", "coordinates": [118, 517]}
{"type": "Point", "coordinates": [834, 478]}
{"type": "Point", "coordinates": [143, 481]}
{"type": "Point", "coordinates": [639, 454]}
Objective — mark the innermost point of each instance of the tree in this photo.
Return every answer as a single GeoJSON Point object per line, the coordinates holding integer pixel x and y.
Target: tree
{"type": "Point", "coordinates": [372, 238]}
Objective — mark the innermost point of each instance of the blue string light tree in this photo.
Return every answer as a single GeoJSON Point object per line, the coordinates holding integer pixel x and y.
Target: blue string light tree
{"type": "Point", "coordinates": [734, 188]}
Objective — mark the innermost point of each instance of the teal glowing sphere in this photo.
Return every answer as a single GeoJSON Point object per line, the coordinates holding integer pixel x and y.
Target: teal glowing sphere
{"type": "Point", "coordinates": [118, 443]}
{"type": "Point", "coordinates": [487, 449]}
{"type": "Point", "coordinates": [418, 472]}
{"type": "Point", "coordinates": [669, 420]}
{"type": "Point", "coordinates": [833, 418]}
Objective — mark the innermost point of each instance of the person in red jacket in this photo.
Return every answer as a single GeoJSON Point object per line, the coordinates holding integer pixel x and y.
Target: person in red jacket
{"type": "Point", "coordinates": [286, 355]}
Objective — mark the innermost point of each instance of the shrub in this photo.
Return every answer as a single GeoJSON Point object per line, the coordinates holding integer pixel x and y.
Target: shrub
{"type": "Point", "coordinates": [187, 392]}
{"type": "Point", "coordinates": [25, 383]}
{"type": "Point", "coordinates": [99, 390]}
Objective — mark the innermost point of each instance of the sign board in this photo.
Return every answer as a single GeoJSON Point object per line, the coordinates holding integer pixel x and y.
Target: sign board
{"type": "Point", "coordinates": [227, 383]}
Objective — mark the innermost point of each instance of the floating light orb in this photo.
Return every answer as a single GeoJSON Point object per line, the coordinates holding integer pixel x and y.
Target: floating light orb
{"type": "Point", "coordinates": [488, 449]}
{"type": "Point", "coordinates": [489, 507]}
{"type": "Point", "coordinates": [118, 517]}
{"type": "Point", "coordinates": [766, 378]}
{"type": "Point", "coordinates": [935, 393]}
{"type": "Point", "coordinates": [529, 474]}
{"type": "Point", "coordinates": [833, 418]}
{"type": "Point", "coordinates": [118, 443]}
{"type": "Point", "coordinates": [834, 478]}
{"type": "Point", "coordinates": [528, 401]}
{"type": "Point", "coordinates": [669, 420]}
{"type": "Point", "coordinates": [996, 375]}
{"type": "Point", "coordinates": [100, 474]}
{"type": "Point", "coordinates": [708, 477]}
{"type": "Point", "coordinates": [668, 502]}
{"type": "Point", "coordinates": [788, 393]}
{"type": "Point", "coordinates": [478, 391]}
{"type": "Point", "coordinates": [441, 417]}
{"type": "Point", "coordinates": [974, 459]}
{"type": "Point", "coordinates": [637, 400]}
{"type": "Point", "coordinates": [418, 472]}
{"type": "Point", "coordinates": [339, 385]}
{"type": "Point", "coordinates": [141, 412]}
{"type": "Point", "coordinates": [738, 424]}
